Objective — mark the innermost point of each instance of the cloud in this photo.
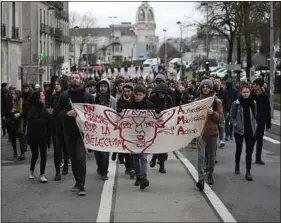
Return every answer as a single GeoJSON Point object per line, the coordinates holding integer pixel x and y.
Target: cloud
{"type": "Point", "coordinates": [166, 14]}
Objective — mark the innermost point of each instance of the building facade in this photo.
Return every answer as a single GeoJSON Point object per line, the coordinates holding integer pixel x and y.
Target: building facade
{"type": "Point", "coordinates": [11, 40]}
{"type": "Point", "coordinates": [135, 41]}
{"type": "Point", "coordinates": [46, 39]}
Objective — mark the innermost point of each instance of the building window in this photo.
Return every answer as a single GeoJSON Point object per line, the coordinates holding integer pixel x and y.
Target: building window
{"type": "Point", "coordinates": [44, 17]}
{"type": "Point", "coordinates": [40, 16]}
{"type": "Point", "coordinates": [13, 14]}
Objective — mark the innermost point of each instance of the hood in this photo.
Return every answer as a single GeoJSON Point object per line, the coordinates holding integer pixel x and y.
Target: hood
{"type": "Point", "coordinates": [161, 88]}
{"type": "Point", "coordinates": [103, 81]}
{"type": "Point", "coordinates": [161, 77]}
{"type": "Point", "coordinates": [63, 83]}
{"type": "Point", "coordinates": [229, 82]}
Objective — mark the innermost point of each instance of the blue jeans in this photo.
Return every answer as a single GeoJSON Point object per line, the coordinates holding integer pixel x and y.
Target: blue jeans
{"type": "Point", "coordinates": [140, 161]}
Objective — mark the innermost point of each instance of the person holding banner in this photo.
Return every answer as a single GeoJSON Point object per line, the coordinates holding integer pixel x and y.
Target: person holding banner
{"type": "Point", "coordinates": [207, 142]}
{"type": "Point", "coordinates": [162, 101]}
{"type": "Point", "coordinates": [73, 137]}
{"type": "Point", "coordinates": [103, 97]}
{"type": "Point", "coordinates": [125, 102]}
{"type": "Point", "coordinates": [141, 103]}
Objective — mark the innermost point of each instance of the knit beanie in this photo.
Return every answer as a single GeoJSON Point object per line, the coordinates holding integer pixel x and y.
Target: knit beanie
{"type": "Point", "coordinates": [207, 82]}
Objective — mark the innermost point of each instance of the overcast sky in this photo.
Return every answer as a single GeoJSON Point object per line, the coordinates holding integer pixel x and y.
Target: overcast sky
{"type": "Point", "coordinates": [166, 14]}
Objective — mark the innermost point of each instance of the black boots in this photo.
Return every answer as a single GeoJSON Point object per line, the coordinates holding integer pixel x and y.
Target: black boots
{"type": "Point", "coordinates": [237, 169]}
{"type": "Point", "coordinates": [143, 183]}
{"type": "Point", "coordinates": [200, 185]}
{"type": "Point", "coordinates": [162, 167]}
{"type": "Point", "coordinates": [137, 182]}
{"type": "Point", "coordinates": [248, 176]}
{"type": "Point", "coordinates": [57, 177]}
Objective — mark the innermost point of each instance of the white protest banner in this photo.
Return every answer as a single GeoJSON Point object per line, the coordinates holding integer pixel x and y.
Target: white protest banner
{"type": "Point", "coordinates": [141, 131]}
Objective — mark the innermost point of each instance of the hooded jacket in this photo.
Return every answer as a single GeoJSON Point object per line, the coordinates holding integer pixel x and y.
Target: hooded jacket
{"type": "Point", "coordinates": [112, 101]}
{"type": "Point", "coordinates": [230, 95]}
{"type": "Point", "coordinates": [159, 103]}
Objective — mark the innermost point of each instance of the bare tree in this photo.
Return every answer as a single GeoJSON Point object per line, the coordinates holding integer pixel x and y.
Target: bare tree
{"type": "Point", "coordinates": [83, 21]}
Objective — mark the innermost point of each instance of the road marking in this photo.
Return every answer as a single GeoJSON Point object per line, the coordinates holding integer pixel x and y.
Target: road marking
{"type": "Point", "coordinates": [107, 193]}
{"type": "Point", "coordinates": [271, 140]}
{"type": "Point", "coordinates": [6, 161]}
{"type": "Point", "coordinates": [220, 208]}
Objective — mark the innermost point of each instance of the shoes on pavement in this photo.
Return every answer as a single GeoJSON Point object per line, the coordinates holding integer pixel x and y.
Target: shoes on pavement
{"type": "Point", "coordinates": [200, 185]}
{"type": "Point", "coordinates": [226, 138]}
{"type": "Point", "coordinates": [260, 162]}
{"type": "Point", "coordinates": [57, 177]}
{"type": "Point", "coordinates": [237, 170]}
{"type": "Point", "coordinates": [132, 174]}
{"type": "Point", "coordinates": [81, 191]}
{"type": "Point", "coordinates": [43, 179]}
{"type": "Point", "coordinates": [152, 163]}
{"type": "Point", "coordinates": [143, 183]}
{"type": "Point", "coordinates": [75, 188]}
{"type": "Point", "coordinates": [222, 144]}
{"type": "Point", "coordinates": [104, 177]}
{"type": "Point", "coordinates": [64, 172]}
{"type": "Point", "coordinates": [248, 176]}
{"type": "Point", "coordinates": [162, 170]}
{"type": "Point", "coordinates": [15, 155]}
{"type": "Point", "coordinates": [31, 175]}
{"type": "Point", "coordinates": [137, 182]}
{"type": "Point", "coordinates": [21, 157]}
{"type": "Point", "coordinates": [98, 171]}
{"type": "Point", "coordinates": [210, 180]}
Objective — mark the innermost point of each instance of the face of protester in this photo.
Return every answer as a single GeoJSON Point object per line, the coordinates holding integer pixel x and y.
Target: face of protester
{"type": "Point", "coordinates": [180, 88]}
{"type": "Point", "coordinates": [42, 97]}
{"type": "Point", "coordinates": [128, 93]}
{"type": "Point", "coordinates": [217, 83]}
{"type": "Point", "coordinates": [57, 87]}
{"type": "Point", "coordinates": [14, 96]}
{"type": "Point", "coordinates": [92, 89]}
{"type": "Point", "coordinates": [245, 92]}
{"type": "Point", "coordinates": [75, 80]}
{"type": "Point", "coordinates": [158, 81]}
{"type": "Point", "coordinates": [119, 88]}
{"type": "Point", "coordinates": [206, 90]}
{"type": "Point", "coordinates": [26, 90]}
{"type": "Point", "coordinates": [103, 88]}
{"type": "Point", "coordinates": [139, 96]}
{"type": "Point", "coordinates": [161, 95]}
{"type": "Point", "coordinates": [149, 90]}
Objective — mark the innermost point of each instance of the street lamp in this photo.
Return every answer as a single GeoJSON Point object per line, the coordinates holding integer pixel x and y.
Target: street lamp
{"type": "Point", "coordinates": [181, 47]}
{"type": "Point", "coordinates": [51, 9]}
{"type": "Point", "coordinates": [113, 38]}
{"type": "Point", "coordinates": [207, 29]}
{"type": "Point", "coordinates": [74, 59]}
{"type": "Point", "coordinates": [165, 45]}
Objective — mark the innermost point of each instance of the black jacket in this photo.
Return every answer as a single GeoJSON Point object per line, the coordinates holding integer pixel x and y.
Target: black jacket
{"type": "Point", "coordinates": [124, 104]}
{"type": "Point", "coordinates": [189, 96]}
{"type": "Point", "coordinates": [37, 122]}
{"type": "Point", "coordinates": [161, 104]}
{"type": "Point", "coordinates": [263, 108]}
{"type": "Point", "coordinates": [77, 95]}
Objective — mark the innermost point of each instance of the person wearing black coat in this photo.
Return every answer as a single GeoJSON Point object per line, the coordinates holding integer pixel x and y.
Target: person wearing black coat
{"type": "Point", "coordinates": [263, 116]}
{"type": "Point", "coordinates": [4, 94]}
{"type": "Point", "coordinates": [37, 133]}
{"type": "Point", "coordinates": [76, 93]}
{"type": "Point", "coordinates": [162, 101]}
{"type": "Point", "coordinates": [57, 129]}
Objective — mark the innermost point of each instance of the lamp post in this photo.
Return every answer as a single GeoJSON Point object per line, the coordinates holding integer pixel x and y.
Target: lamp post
{"type": "Point", "coordinates": [181, 50]}
{"type": "Point", "coordinates": [272, 71]}
{"type": "Point", "coordinates": [207, 29]}
{"type": "Point", "coordinates": [113, 38]}
{"type": "Point", "coordinates": [165, 47]}
{"type": "Point", "coordinates": [75, 28]}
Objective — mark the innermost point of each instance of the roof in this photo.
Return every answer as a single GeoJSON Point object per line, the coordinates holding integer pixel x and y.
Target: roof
{"type": "Point", "coordinates": [100, 31]}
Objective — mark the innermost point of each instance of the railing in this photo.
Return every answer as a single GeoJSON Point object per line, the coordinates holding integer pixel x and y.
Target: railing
{"type": "Point", "coordinates": [3, 30]}
{"type": "Point", "coordinates": [15, 32]}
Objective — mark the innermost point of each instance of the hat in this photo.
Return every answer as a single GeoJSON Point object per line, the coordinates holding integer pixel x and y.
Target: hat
{"type": "Point", "coordinates": [3, 85]}
{"type": "Point", "coordinates": [259, 81]}
{"type": "Point", "coordinates": [162, 88]}
{"type": "Point", "coordinates": [160, 77]}
{"type": "Point", "coordinates": [207, 82]}
{"type": "Point", "coordinates": [129, 85]}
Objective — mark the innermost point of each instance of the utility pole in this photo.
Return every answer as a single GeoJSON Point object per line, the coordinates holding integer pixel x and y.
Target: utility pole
{"type": "Point", "coordinates": [165, 47]}
{"type": "Point", "coordinates": [181, 48]}
{"type": "Point", "coordinates": [113, 37]}
{"type": "Point", "coordinates": [272, 75]}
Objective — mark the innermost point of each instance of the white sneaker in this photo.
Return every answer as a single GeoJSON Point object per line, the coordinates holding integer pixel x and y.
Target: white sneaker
{"type": "Point", "coordinates": [43, 179]}
{"type": "Point", "coordinates": [31, 176]}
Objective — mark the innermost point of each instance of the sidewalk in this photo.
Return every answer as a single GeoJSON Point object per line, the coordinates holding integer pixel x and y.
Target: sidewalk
{"type": "Point", "coordinates": [171, 197]}
{"type": "Point", "coordinates": [276, 118]}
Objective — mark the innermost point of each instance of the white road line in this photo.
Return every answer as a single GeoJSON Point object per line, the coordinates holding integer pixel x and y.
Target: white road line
{"type": "Point", "coordinates": [223, 212]}
{"type": "Point", "coordinates": [271, 140]}
{"type": "Point", "coordinates": [107, 193]}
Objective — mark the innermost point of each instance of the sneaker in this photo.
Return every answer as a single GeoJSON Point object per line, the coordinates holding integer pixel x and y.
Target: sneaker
{"type": "Point", "coordinates": [104, 177]}
{"type": "Point", "coordinates": [152, 163]}
{"type": "Point", "coordinates": [31, 176]}
{"type": "Point", "coordinates": [200, 185]}
{"type": "Point", "coordinates": [75, 188]}
{"type": "Point", "coordinates": [81, 191]}
{"type": "Point", "coordinates": [132, 174]}
{"type": "Point", "coordinates": [43, 179]}
{"type": "Point", "coordinates": [57, 177]}
{"type": "Point", "coordinates": [144, 183]}
{"type": "Point", "coordinates": [162, 170]}
{"type": "Point", "coordinates": [21, 157]}
{"type": "Point", "coordinates": [222, 144]}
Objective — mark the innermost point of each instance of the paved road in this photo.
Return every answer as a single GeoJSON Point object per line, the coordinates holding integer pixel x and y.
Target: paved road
{"type": "Point", "coordinates": [171, 197]}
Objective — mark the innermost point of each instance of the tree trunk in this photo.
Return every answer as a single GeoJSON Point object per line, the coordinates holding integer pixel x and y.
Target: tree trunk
{"type": "Point", "coordinates": [238, 39]}
{"type": "Point", "coordinates": [230, 50]}
{"type": "Point", "coordinates": [248, 54]}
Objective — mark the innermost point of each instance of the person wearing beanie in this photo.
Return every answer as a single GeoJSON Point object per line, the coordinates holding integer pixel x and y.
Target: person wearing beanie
{"type": "Point", "coordinates": [126, 102]}
{"type": "Point", "coordinates": [162, 101]}
{"type": "Point", "coordinates": [263, 116]}
{"type": "Point", "coordinates": [207, 144]}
